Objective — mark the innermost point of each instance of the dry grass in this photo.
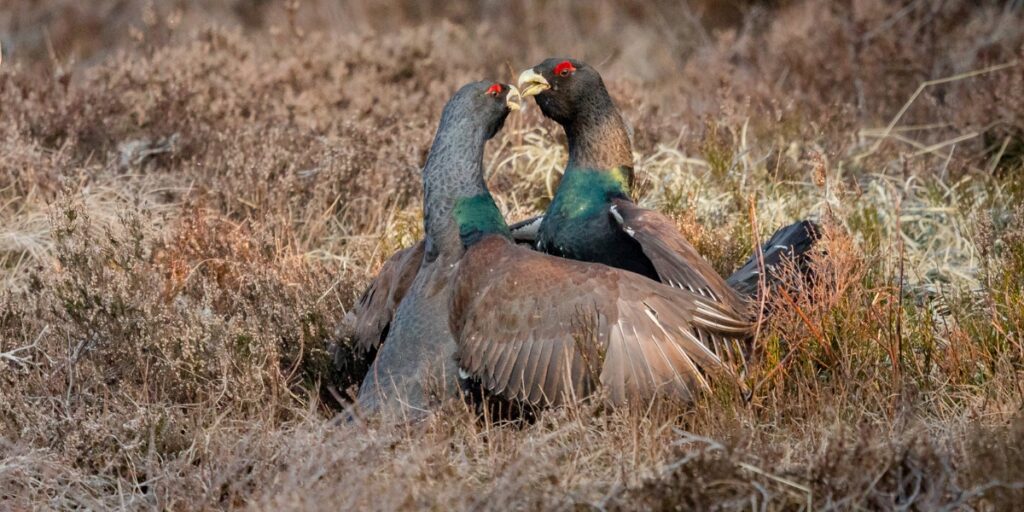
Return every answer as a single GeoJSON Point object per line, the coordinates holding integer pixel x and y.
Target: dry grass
{"type": "Point", "coordinates": [192, 194]}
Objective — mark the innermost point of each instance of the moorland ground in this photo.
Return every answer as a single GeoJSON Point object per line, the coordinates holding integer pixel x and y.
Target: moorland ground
{"type": "Point", "coordinates": [192, 194]}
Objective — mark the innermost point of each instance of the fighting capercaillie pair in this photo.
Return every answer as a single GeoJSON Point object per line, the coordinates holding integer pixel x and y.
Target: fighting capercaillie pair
{"type": "Point", "coordinates": [599, 292]}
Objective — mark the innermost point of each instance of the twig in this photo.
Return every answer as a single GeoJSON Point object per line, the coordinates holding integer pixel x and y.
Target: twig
{"type": "Point", "coordinates": [24, 361]}
{"type": "Point", "coordinates": [806, 320]}
{"type": "Point", "coordinates": [940, 145]}
{"type": "Point", "coordinates": [898, 362]}
{"type": "Point", "coordinates": [999, 156]}
{"type": "Point", "coordinates": [781, 364]}
{"type": "Point", "coordinates": [924, 85]}
{"type": "Point", "coordinates": [802, 488]}
{"type": "Point", "coordinates": [762, 283]}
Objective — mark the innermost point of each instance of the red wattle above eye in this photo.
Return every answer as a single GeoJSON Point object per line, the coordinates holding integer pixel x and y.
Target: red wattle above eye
{"type": "Point", "coordinates": [494, 89]}
{"type": "Point", "coordinates": [564, 66]}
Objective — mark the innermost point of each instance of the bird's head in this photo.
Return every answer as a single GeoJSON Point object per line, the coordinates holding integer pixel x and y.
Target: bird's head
{"type": "Point", "coordinates": [484, 105]}
{"type": "Point", "coordinates": [564, 88]}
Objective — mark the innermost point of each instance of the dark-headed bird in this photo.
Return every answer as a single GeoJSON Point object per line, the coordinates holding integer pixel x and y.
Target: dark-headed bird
{"type": "Point", "coordinates": [592, 218]}
{"type": "Point", "coordinates": [530, 326]}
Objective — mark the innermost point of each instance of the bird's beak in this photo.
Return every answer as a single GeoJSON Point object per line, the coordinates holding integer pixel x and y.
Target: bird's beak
{"type": "Point", "coordinates": [532, 83]}
{"type": "Point", "coordinates": [513, 100]}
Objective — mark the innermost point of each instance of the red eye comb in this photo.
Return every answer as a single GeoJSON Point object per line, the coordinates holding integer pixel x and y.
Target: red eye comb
{"type": "Point", "coordinates": [563, 67]}
{"type": "Point", "coordinates": [494, 90]}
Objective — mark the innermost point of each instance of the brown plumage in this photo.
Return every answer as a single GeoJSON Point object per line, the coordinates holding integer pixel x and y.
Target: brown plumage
{"type": "Point", "coordinates": [544, 330]}
{"type": "Point", "coordinates": [529, 326]}
{"type": "Point", "coordinates": [368, 320]}
{"type": "Point", "coordinates": [372, 314]}
{"type": "Point", "coordinates": [677, 262]}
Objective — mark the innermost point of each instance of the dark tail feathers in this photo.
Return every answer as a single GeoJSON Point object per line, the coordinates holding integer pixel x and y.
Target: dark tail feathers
{"type": "Point", "coordinates": [525, 231]}
{"type": "Point", "coordinates": [791, 242]}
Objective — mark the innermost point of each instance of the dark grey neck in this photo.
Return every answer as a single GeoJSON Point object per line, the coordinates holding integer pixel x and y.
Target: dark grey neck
{"type": "Point", "coordinates": [597, 136]}
{"type": "Point", "coordinates": [454, 170]}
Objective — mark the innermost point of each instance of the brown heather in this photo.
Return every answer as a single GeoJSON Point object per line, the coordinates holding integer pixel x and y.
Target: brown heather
{"type": "Point", "coordinates": [192, 194]}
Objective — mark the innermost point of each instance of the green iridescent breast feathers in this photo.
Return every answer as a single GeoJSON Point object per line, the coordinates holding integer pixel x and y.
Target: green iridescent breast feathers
{"type": "Point", "coordinates": [586, 192]}
{"type": "Point", "coordinates": [477, 216]}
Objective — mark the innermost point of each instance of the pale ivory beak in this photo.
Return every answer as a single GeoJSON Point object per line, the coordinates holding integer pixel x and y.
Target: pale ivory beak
{"type": "Point", "coordinates": [513, 100]}
{"type": "Point", "coordinates": [532, 83]}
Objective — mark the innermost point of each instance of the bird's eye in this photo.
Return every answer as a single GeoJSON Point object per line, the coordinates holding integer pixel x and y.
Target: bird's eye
{"type": "Point", "coordinates": [564, 68]}
{"type": "Point", "coordinates": [494, 90]}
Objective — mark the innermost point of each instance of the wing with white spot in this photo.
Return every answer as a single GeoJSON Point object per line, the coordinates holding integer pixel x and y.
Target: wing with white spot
{"type": "Point", "coordinates": [677, 262]}
{"type": "Point", "coordinates": [547, 330]}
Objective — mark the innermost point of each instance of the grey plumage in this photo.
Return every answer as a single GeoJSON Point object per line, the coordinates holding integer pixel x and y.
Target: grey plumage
{"type": "Point", "coordinates": [415, 368]}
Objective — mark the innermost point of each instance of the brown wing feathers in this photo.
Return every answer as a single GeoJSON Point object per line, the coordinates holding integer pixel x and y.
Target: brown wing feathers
{"type": "Point", "coordinates": [542, 329]}
{"type": "Point", "coordinates": [375, 308]}
{"type": "Point", "coordinates": [677, 262]}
